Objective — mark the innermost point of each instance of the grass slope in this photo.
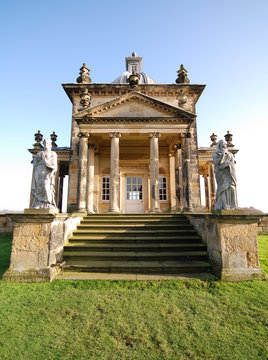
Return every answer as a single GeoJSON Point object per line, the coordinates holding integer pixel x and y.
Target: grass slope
{"type": "Point", "coordinates": [263, 252]}
{"type": "Point", "coordinates": [134, 320]}
{"type": "Point", "coordinates": [5, 250]}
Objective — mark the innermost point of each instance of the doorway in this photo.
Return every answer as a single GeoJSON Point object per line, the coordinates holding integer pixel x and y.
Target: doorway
{"type": "Point", "coordinates": [134, 194]}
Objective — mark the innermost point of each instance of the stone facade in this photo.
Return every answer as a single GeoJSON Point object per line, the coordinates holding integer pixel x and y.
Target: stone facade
{"type": "Point", "coordinates": [135, 115]}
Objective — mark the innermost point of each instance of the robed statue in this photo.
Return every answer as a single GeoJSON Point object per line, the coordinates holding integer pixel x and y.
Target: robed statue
{"type": "Point", "coordinates": [224, 162]}
{"type": "Point", "coordinates": [45, 167]}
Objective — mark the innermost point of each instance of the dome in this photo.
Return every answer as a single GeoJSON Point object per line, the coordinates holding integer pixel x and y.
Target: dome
{"type": "Point", "coordinates": [123, 79]}
{"type": "Point", "coordinates": [133, 63]}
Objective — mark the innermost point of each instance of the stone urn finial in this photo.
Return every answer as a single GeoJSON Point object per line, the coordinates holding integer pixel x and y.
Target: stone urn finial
{"type": "Point", "coordinates": [85, 98]}
{"type": "Point", "coordinates": [84, 75]}
{"type": "Point", "coordinates": [213, 139]}
{"type": "Point", "coordinates": [38, 137]}
{"type": "Point", "coordinates": [134, 79]}
{"type": "Point", "coordinates": [182, 76]}
{"type": "Point", "coordinates": [229, 138]}
{"type": "Point", "coordinates": [53, 138]}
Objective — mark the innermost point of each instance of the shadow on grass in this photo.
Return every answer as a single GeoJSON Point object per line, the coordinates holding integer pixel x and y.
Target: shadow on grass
{"type": "Point", "coordinates": [5, 251]}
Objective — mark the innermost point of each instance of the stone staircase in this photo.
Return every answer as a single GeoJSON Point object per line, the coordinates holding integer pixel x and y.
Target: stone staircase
{"type": "Point", "coordinates": [160, 244]}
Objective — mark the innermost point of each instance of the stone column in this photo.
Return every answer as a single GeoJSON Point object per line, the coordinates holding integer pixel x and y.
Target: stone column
{"type": "Point", "coordinates": [90, 178]}
{"type": "Point", "coordinates": [60, 191]}
{"type": "Point", "coordinates": [187, 172]}
{"type": "Point", "coordinates": [206, 192]}
{"type": "Point", "coordinates": [172, 182]}
{"type": "Point", "coordinates": [179, 185]}
{"type": "Point", "coordinates": [154, 171]}
{"type": "Point", "coordinates": [212, 186]}
{"type": "Point", "coordinates": [114, 172]}
{"type": "Point", "coordinates": [82, 172]}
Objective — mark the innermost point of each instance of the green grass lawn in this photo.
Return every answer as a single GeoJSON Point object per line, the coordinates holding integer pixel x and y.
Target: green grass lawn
{"type": "Point", "coordinates": [5, 249]}
{"type": "Point", "coordinates": [134, 319]}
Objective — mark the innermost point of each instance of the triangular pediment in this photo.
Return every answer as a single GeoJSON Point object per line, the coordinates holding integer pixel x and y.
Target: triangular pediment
{"type": "Point", "coordinates": [133, 105]}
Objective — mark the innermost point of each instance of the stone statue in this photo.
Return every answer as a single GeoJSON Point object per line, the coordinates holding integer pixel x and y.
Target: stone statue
{"type": "Point", "coordinates": [45, 167]}
{"type": "Point", "coordinates": [224, 162]}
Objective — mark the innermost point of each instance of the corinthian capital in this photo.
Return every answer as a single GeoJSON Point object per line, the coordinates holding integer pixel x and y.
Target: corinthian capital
{"type": "Point", "coordinates": [115, 134]}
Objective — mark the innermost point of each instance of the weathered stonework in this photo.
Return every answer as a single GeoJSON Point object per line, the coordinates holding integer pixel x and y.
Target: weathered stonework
{"type": "Point", "coordinates": [232, 244]}
{"type": "Point", "coordinates": [37, 245]}
{"type": "Point", "coordinates": [6, 225]}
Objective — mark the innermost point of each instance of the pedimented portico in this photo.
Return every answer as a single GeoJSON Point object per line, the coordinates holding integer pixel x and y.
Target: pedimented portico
{"type": "Point", "coordinates": [134, 136]}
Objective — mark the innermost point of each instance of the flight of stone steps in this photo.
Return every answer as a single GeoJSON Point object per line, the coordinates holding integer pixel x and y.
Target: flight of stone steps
{"type": "Point", "coordinates": [136, 244]}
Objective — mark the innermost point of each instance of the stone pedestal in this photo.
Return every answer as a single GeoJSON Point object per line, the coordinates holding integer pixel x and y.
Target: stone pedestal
{"type": "Point", "coordinates": [37, 245]}
{"type": "Point", "coordinates": [232, 243]}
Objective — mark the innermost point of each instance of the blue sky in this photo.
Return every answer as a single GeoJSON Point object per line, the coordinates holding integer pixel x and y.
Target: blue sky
{"type": "Point", "coordinates": [223, 44]}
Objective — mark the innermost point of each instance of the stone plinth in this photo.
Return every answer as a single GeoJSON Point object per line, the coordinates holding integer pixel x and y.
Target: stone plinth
{"type": "Point", "coordinates": [232, 244]}
{"type": "Point", "coordinates": [37, 245]}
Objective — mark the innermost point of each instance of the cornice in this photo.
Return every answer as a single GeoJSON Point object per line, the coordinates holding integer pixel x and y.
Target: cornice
{"type": "Point", "coordinates": [100, 90]}
{"type": "Point", "coordinates": [160, 120]}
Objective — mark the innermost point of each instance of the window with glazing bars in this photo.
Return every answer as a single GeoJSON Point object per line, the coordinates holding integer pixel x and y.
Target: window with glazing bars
{"type": "Point", "coordinates": [162, 188]}
{"type": "Point", "coordinates": [105, 188]}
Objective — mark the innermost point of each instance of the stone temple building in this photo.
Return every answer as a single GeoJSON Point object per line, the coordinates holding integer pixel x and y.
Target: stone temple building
{"type": "Point", "coordinates": [133, 145]}
{"type": "Point", "coordinates": [134, 196]}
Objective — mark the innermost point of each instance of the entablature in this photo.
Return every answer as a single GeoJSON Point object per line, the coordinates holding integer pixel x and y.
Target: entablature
{"type": "Point", "coordinates": [114, 90]}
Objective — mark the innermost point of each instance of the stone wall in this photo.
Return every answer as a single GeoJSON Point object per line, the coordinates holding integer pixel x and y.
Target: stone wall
{"type": "Point", "coordinates": [37, 245]}
{"type": "Point", "coordinates": [6, 224]}
{"type": "Point", "coordinates": [232, 244]}
{"type": "Point", "coordinates": [263, 225]}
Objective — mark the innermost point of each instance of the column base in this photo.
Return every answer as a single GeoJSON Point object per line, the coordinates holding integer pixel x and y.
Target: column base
{"type": "Point", "coordinates": [188, 209]}
{"type": "Point", "coordinates": [154, 211]}
{"type": "Point", "coordinates": [114, 211]}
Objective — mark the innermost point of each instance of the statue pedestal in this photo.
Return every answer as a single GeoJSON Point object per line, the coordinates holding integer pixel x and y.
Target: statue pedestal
{"type": "Point", "coordinates": [41, 211]}
{"type": "Point", "coordinates": [232, 243]}
{"type": "Point", "coordinates": [37, 245]}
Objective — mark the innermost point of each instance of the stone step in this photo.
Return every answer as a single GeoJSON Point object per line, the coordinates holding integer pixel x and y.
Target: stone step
{"type": "Point", "coordinates": [134, 226]}
{"type": "Point", "coordinates": [134, 221]}
{"type": "Point", "coordinates": [127, 239]}
{"type": "Point", "coordinates": [138, 247]}
{"type": "Point", "coordinates": [134, 255]}
{"type": "Point", "coordinates": [84, 275]}
{"type": "Point", "coordinates": [137, 231]}
{"type": "Point", "coordinates": [148, 267]}
{"type": "Point", "coordinates": [136, 244]}
{"type": "Point", "coordinates": [136, 216]}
